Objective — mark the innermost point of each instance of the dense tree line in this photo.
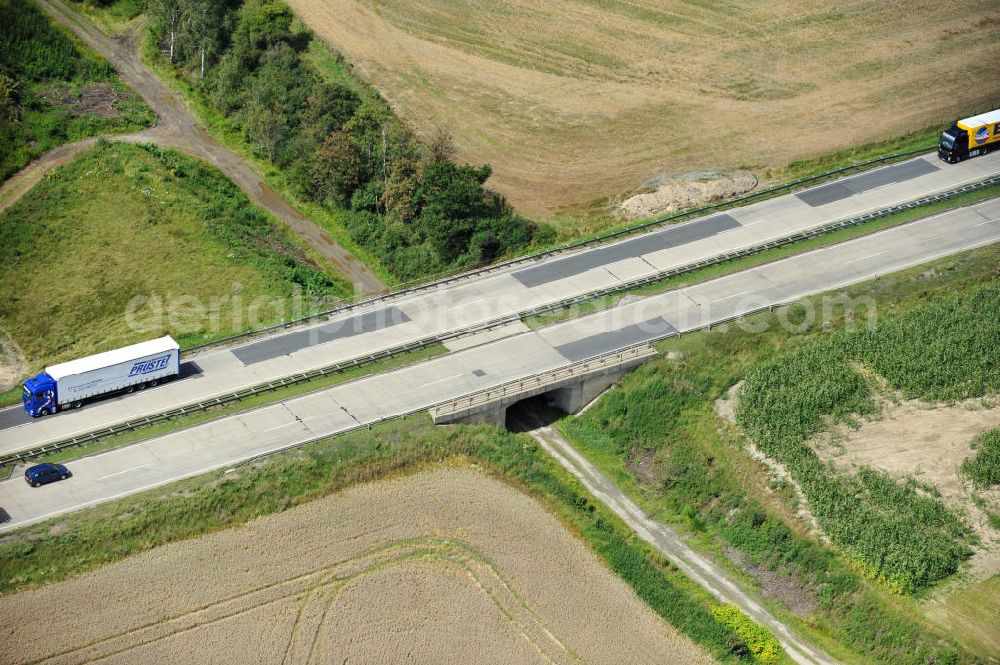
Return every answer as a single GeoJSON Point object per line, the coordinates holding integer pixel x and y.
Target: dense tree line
{"type": "Point", "coordinates": [409, 204]}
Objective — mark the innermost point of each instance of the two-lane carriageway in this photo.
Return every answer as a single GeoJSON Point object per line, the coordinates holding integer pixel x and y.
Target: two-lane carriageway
{"type": "Point", "coordinates": [522, 288]}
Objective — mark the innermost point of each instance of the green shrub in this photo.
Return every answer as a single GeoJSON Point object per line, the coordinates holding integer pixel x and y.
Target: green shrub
{"type": "Point", "coordinates": [759, 641]}
{"type": "Point", "coordinates": [984, 467]}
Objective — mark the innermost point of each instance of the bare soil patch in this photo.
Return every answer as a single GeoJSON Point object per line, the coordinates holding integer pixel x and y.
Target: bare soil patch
{"type": "Point", "coordinates": [13, 366]}
{"type": "Point", "coordinates": [93, 99]}
{"type": "Point", "coordinates": [928, 442]}
{"type": "Point", "coordinates": [797, 596]}
{"type": "Point", "coordinates": [690, 190]}
{"type": "Point", "coordinates": [445, 566]}
{"type": "Point", "coordinates": [575, 102]}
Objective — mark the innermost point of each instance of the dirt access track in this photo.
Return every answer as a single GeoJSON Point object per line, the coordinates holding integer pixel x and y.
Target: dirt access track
{"type": "Point", "coordinates": [446, 566]}
{"type": "Point", "coordinates": [176, 128]}
{"type": "Point", "coordinates": [573, 101]}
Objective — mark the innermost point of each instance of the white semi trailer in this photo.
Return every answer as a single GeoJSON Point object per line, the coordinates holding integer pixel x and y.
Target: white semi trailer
{"type": "Point", "coordinates": [126, 369]}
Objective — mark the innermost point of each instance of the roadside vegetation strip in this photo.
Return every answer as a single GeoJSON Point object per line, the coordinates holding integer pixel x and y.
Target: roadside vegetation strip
{"type": "Point", "coordinates": [658, 435]}
{"type": "Point", "coordinates": [85, 540]}
{"type": "Point", "coordinates": [55, 90]}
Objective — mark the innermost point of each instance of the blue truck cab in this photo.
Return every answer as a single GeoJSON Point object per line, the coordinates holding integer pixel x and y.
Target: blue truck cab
{"type": "Point", "coordinates": [70, 384]}
{"type": "Point", "coordinates": [39, 395]}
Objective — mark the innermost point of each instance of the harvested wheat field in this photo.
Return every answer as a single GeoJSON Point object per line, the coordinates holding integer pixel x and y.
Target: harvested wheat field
{"type": "Point", "coordinates": [446, 566]}
{"type": "Point", "coordinates": [576, 101]}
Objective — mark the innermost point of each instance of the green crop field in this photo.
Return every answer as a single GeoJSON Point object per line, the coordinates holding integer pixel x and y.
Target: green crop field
{"type": "Point", "coordinates": [943, 350]}
{"type": "Point", "coordinates": [659, 436]}
{"type": "Point", "coordinates": [53, 89]}
{"type": "Point", "coordinates": [123, 221]}
{"type": "Point", "coordinates": [984, 467]}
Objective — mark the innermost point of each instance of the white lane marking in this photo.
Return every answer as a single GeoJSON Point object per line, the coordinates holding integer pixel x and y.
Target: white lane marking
{"type": "Point", "coordinates": [447, 378]}
{"type": "Point", "coordinates": [867, 256]}
{"type": "Point", "coordinates": [294, 422]}
{"type": "Point", "coordinates": [118, 473]}
{"type": "Point", "coordinates": [735, 295]}
{"type": "Point", "coordinates": [988, 221]}
{"type": "Point", "coordinates": [463, 303]}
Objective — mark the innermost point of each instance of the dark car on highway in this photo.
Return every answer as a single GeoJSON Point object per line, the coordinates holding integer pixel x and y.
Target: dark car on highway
{"type": "Point", "coordinates": [40, 474]}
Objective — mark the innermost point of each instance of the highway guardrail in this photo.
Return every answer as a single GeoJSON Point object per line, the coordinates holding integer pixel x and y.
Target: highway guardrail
{"type": "Point", "coordinates": [637, 349]}
{"type": "Point", "coordinates": [477, 273]}
{"type": "Point", "coordinates": [335, 368]}
{"type": "Point", "coordinates": [637, 353]}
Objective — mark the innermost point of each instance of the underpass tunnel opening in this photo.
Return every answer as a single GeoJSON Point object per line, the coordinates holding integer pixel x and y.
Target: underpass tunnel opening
{"type": "Point", "coordinates": [534, 412]}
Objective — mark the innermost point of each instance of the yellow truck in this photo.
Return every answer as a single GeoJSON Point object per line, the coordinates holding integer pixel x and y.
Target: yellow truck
{"type": "Point", "coordinates": [970, 137]}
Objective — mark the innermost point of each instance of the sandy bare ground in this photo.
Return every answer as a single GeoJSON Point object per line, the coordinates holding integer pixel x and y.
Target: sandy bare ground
{"type": "Point", "coordinates": [12, 364]}
{"type": "Point", "coordinates": [928, 442]}
{"type": "Point", "coordinates": [573, 102]}
{"type": "Point", "coordinates": [446, 566]}
{"type": "Point", "coordinates": [176, 128]}
{"type": "Point", "coordinates": [689, 190]}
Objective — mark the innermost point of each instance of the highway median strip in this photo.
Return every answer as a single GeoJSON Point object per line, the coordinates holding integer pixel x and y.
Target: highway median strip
{"type": "Point", "coordinates": [279, 389]}
{"type": "Point", "coordinates": [768, 252]}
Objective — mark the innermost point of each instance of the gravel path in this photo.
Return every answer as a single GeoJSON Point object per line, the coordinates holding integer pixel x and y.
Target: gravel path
{"type": "Point", "coordinates": [700, 569]}
{"type": "Point", "coordinates": [176, 128]}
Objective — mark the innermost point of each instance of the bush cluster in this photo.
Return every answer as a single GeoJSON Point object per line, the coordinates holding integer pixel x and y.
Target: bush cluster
{"type": "Point", "coordinates": [759, 641]}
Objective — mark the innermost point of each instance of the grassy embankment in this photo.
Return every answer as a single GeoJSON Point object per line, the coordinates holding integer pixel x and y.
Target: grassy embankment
{"type": "Point", "coordinates": [661, 421]}
{"type": "Point", "coordinates": [106, 533]}
{"type": "Point", "coordinates": [123, 221]}
{"type": "Point", "coordinates": [54, 89]}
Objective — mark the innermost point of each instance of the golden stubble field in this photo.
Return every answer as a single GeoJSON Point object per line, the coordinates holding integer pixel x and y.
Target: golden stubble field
{"type": "Point", "coordinates": [446, 566]}
{"type": "Point", "coordinates": [575, 101]}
